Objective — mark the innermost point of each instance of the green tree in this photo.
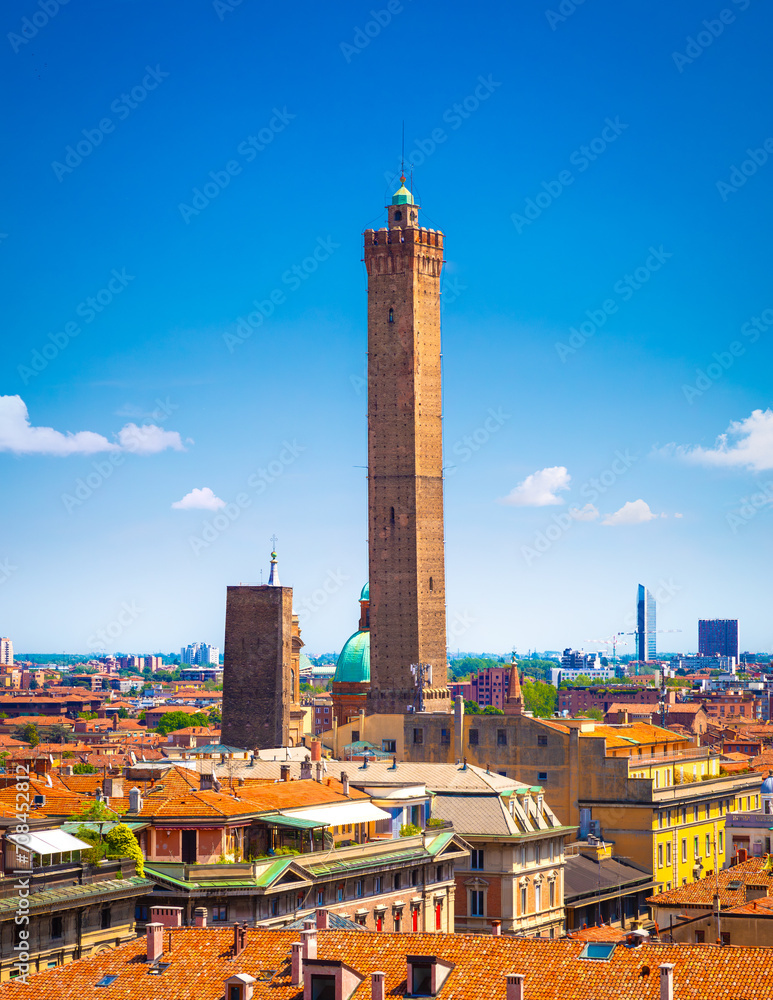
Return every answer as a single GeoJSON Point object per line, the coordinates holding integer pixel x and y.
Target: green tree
{"type": "Point", "coordinates": [171, 721]}
{"type": "Point", "coordinates": [471, 707]}
{"type": "Point", "coordinates": [215, 716]}
{"type": "Point", "coordinates": [29, 734]}
{"type": "Point", "coordinates": [490, 710]}
{"type": "Point", "coordinates": [594, 713]}
{"type": "Point", "coordinates": [85, 769]}
{"type": "Point", "coordinates": [539, 698]}
{"type": "Point", "coordinates": [123, 713]}
{"type": "Point", "coordinates": [122, 843]}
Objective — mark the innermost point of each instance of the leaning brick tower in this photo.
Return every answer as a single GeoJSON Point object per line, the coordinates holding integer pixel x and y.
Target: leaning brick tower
{"type": "Point", "coordinates": [405, 460]}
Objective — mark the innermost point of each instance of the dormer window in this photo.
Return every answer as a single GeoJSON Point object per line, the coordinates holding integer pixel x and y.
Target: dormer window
{"type": "Point", "coordinates": [426, 975]}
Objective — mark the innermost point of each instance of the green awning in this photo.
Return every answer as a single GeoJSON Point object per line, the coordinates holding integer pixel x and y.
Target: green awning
{"type": "Point", "coordinates": [277, 819]}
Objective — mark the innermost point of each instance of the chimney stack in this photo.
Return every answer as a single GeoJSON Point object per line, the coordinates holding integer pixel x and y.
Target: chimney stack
{"type": "Point", "coordinates": [514, 986]}
{"type": "Point", "coordinates": [154, 935]}
{"type": "Point", "coordinates": [240, 939]}
{"type": "Point", "coordinates": [323, 920]}
{"type": "Point", "coordinates": [742, 855]}
{"type": "Point", "coordinates": [297, 963]}
{"type": "Point", "coordinates": [378, 986]}
{"type": "Point", "coordinates": [200, 916]}
{"type": "Point", "coordinates": [309, 938]}
{"type": "Point", "coordinates": [135, 800]}
{"type": "Point", "coordinates": [345, 782]}
{"type": "Point", "coordinates": [316, 750]}
{"type": "Point", "coordinates": [284, 772]}
{"type": "Point", "coordinates": [667, 981]}
{"type": "Point", "coordinates": [318, 770]}
{"type": "Point", "coordinates": [306, 769]}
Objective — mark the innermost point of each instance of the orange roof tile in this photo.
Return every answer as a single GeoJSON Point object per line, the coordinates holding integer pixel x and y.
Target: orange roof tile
{"type": "Point", "coordinates": [201, 961]}
{"type": "Point", "coordinates": [701, 893]}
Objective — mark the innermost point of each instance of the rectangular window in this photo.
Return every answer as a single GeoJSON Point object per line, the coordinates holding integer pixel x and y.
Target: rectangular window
{"type": "Point", "coordinates": [542, 741]}
{"type": "Point", "coordinates": [523, 899]}
{"type": "Point", "coordinates": [684, 849]}
{"type": "Point", "coordinates": [56, 927]}
{"type": "Point", "coordinates": [537, 853]}
{"type": "Point", "coordinates": [418, 737]}
{"type": "Point", "coordinates": [696, 853]}
{"type": "Point", "coordinates": [473, 737]}
{"type": "Point", "coordinates": [668, 854]}
{"type": "Point", "coordinates": [552, 894]}
{"type": "Point", "coordinates": [501, 737]}
{"type": "Point", "coordinates": [476, 859]}
{"type": "Point", "coordinates": [358, 888]}
{"type": "Point", "coordinates": [660, 820]}
{"type": "Point", "coordinates": [537, 897]}
{"type": "Point", "coordinates": [708, 810]}
{"type": "Point", "coordinates": [105, 918]}
{"type": "Point", "coordinates": [684, 814]}
{"type": "Point", "coordinates": [721, 843]}
{"type": "Point", "coordinates": [708, 846]}
{"type": "Point", "coordinates": [340, 893]}
{"type": "Point", "coordinates": [660, 855]}
{"type": "Point", "coordinates": [320, 897]}
{"type": "Point", "coordinates": [389, 746]}
{"type": "Point", "coordinates": [476, 903]}
{"type": "Point", "coordinates": [219, 913]}
{"type": "Point", "coordinates": [542, 776]}
{"type": "Point", "coordinates": [445, 737]}
{"type": "Point", "coordinates": [377, 884]}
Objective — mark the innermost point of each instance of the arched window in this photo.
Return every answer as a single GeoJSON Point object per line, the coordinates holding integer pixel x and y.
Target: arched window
{"type": "Point", "coordinates": [391, 315]}
{"type": "Point", "coordinates": [398, 215]}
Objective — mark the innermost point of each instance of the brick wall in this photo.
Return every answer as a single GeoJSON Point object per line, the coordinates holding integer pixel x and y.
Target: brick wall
{"type": "Point", "coordinates": [256, 669]}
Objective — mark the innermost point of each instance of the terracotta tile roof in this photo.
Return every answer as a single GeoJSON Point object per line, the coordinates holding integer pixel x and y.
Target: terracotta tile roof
{"type": "Point", "coordinates": [603, 933]}
{"type": "Point", "coordinates": [201, 961]}
{"type": "Point", "coordinates": [701, 893]}
{"type": "Point", "coordinates": [38, 720]}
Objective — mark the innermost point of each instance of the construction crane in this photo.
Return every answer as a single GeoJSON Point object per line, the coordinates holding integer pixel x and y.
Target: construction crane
{"type": "Point", "coordinates": [611, 640]}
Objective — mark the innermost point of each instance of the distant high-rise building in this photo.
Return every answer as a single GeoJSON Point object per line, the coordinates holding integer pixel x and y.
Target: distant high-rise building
{"type": "Point", "coordinates": [199, 653]}
{"type": "Point", "coordinates": [646, 625]}
{"type": "Point", "coordinates": [718, 637]}
{"type": "Point", "coordinates": [6, 653]}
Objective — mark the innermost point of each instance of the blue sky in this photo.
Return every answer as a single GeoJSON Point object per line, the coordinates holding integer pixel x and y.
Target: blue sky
{"type": "Point", "coordinates": [589, 165]}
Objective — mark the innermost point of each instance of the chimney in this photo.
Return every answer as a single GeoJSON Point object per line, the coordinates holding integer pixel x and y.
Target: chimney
{"type": "Point", "coordinates": [135, 800]}
{"type": "Point", "coordinates": [167, 916]}
{"type": "Point", "coordinates": [306, 769]}
{"type": "Point", "coordinates": [378, 986]}
{"type": "Point", "coordinates": [323, 920]}
{"type": "Point", "coordinates": [666, 981]}
{"type": "Point", "coordinates": [309, 939]}
{"type": "Point", "coordinates": [318, 770]}
{"type": "Point", "coordinates": [514, 986]}
{"type": "Point", "coordinates": [284, 772]}
{"type": "Point", "coordinates": [115, 721]}
{"type": "Point", "coordinates": [240, 939]}
{"type": "Point", "coordinates": [200, 916]}
{"type": "Point", "coordinates": [154, 935]}
{"type": "Point", "coordinates": [496, 928]}
{"type": "Point", "coordinates": [316, 750]}
{"type": "Point", "coordinates": [742, 855]}
{"type": "Point", "coordinates": [297, 963]}
{"type": "Point", "coordinates": [345, 782]}
{"type": "Point", "coordinates": [113, 788]}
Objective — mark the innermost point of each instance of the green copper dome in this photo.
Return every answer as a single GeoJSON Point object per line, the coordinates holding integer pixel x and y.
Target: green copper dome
{"type": "Point", "coordinates": [402, 195]}
{"type": "Point", "coordinates": [365, 592]}
{"type": "Point", "coordinates": [353, 665]}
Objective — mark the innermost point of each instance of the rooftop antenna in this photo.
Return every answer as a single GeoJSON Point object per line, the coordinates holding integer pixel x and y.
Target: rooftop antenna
{"type": "Point", "coordinates": [402, 155]}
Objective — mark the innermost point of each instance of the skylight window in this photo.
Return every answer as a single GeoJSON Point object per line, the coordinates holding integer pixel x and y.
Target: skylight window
{"type": "Point", "coordinates": [107, 981]}
{"type": "Point", "coordinates": [734, 885]}
{"type": "Point", "coordinates": [597, 952]}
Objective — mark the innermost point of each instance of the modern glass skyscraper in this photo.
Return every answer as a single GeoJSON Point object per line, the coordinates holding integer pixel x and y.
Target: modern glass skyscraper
{"type": "Point", "coordinates": [646, 639]}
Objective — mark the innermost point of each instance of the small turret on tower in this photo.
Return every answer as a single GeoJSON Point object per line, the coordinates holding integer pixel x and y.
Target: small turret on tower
{"type": "Point", "coordinates": [273, 576]}
{"type": "Point", "coordinates": [514, 703]}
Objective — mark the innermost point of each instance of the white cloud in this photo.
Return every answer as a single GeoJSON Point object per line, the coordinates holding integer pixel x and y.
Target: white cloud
{"type": "Point", "coordinates": [148, 439]}
{"type": "Point", "coordinates": [632, 512]}
{"type": "Point", "coordinates": [586, 513]}
{"type": "Point", "coordinates": [19, 436]}
{"type": "Point", "coordinates": [199, 499]}
{"type": "Point", "coordinates": [678, 515]}
{"type": "Point", "coordinates": [540, 489]}
{"type": "Point", "coordinates": [747, 444]}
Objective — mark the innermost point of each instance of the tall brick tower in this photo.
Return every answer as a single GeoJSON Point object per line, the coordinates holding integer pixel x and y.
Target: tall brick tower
{"type": "Point", "coordinates": [405, 460]}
